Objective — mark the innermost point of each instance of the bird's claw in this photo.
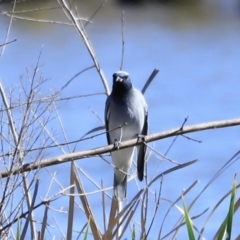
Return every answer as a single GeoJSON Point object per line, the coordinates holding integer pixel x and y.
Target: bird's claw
{"type": "Point", "coordinates": [141, 137]}
{"type": "Point", "coordinates": [117, 144]}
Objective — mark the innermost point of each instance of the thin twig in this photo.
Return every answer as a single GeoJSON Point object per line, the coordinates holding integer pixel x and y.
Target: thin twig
{"type": "Point", "coordinates": [50, 98]}
{"type": "Point", "coordinates": [94, 14]}
{"type": "Point", "coordinates": [41, 20]}
{"type": "Point", "coordinates": [81, 31]}
{"type": "Point", "coordinates": [156, 207]}
{"type": "Point", "coordinates": [76, 75]}
{"type": "Point", "coordinates": [123, 42]}
{"type": "Point", "coordinates": [23, 215]}
{"type": "Point", "coordinates": [8, 42]}
{"type": "Point", "coordinates": [34, 10]}
{"type": "Point", "coordinates": [9, 27]}
{"type": "Point", "coordinates": [150, 79]}
{"type": "Point", "coordinates": [175, 138]}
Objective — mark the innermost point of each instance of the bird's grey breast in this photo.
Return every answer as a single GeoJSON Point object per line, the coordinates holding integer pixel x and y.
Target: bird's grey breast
{"type": "Point", "coordinates": [127, 112]}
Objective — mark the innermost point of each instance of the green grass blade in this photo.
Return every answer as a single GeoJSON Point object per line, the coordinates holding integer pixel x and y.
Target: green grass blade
{"type": "Point", "coordinates": [226, 227]}
{"type": "Point", "coordinates": [231, 210]}
{"type": "Point", "coordinates": [133, 233]}
{"type": "Point", "coordinates": [188, 222]}
{"type": "Point", "coordinates": [86, 233]}
{"type": "Point", "coordinates": [222, 230]}
{"type": "Point", "coordinates": [18, 235]}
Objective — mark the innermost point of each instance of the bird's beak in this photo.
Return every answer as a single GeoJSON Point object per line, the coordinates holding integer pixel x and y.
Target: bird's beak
{"type": "Point", "coordinates": [119, 79]}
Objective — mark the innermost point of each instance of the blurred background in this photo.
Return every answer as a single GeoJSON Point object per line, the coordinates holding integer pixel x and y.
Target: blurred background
{"type": "Point", "coordinates": [194, 44]}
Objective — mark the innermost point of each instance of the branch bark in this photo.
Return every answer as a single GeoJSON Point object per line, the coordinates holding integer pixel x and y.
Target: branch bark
{"type": "Point", "coordinates": [98, 151]}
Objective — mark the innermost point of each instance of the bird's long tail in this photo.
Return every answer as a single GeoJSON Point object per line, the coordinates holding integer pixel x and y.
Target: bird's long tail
{"type": "Point", "coordinates": [120, 191]}
{"type": "Point", "coordinates": [120, 188]}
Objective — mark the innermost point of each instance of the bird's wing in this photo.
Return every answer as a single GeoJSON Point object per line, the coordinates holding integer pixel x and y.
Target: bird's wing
{"type": "Point", "coordinates": [107, 114]}
{"type": "Point", "coordinates": [142, 148]}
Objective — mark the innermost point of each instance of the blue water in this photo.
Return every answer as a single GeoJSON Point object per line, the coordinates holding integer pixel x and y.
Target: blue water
{"type": "Point", "coordinates": [196, 49]}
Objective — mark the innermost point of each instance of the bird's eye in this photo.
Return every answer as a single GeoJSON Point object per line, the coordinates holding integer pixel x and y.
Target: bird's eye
{"type": "Point", "coordinates": [125, 77]}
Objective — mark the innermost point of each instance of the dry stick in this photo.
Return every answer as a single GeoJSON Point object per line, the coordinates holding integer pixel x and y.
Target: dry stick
{"type": "Point", "coordinates": [8, 31]}
{"type": "Point", "coordinates": [156, 207]}
{"type": "Point", "coordinates": [94, 14]}
{"type": "Point", "coordinates": [104, 208]}
{"type": "Point", "coordinates": [33, 10]}
{"type": "Point", "coordinates": [38, 20]}
{"type": "Point", "coordinates": [72, 78]}
{"type": "Point", "coordinates": [87, 209]}
{"type": "Point", "coordinates": [80, 29]}
{"type": "Point", "coordinates": [71, 204]}
{"type": "Point", "coordinates": [123, 42]}
{"type": "Point", "coordinates": [72, 190]}
{"type": "Point", "coordinates": [25, 214]}
{"type": "Point", "coordinates": [150, 79]}
{"type": "Point", "coordinates": [29, 217]}
{"type": "Point", "coordinates": [44, 223]}
{"type": "Point", "coordinates": [128, 217]}
{"type": "Point", "coordinates": [49, 98]}
{"type": "Point", "coordinates": [6, 43]}
{"type": "Point", "coordinates": [9, 113]}
{"type": "Point", "coordinates": [130, 143]}
{"type": "Point", "coordinates": [113, 221]}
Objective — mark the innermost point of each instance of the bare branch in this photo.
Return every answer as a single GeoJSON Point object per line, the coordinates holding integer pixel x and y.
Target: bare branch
{"type": "Point", "coordinates": [9, 114]}
{"type": "Point", "coordinates": [94, 14]}
{"type": "Point", "coordinates": [8, 31]}
{"type": "Point", "coordinates": [51, 98]}
{"type": "Point", "coordinates": [152, 76]}
{"type": "Point", "coordinates": [76, 75]}
{"type": "Point", "coordinates": [39, 20]}
{"type": "Point", "coordinates": [33, 10]}
{"type": "Point", "coordinates": [23, 215]}
{"type": "Point", "coordinates": [123, 42]}
{"type": "Point", "coordinates": [8, 42]}
{"type": "Point", "coordinates": [81, 31]}
{"type": "Point", "coordinates": [134, 142]}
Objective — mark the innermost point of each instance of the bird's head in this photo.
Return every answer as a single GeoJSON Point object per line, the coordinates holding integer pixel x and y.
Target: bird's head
{"type": "Point", "coordinates": [121, 82]}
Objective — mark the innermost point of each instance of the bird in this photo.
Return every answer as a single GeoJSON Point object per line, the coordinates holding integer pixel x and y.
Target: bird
{"type": "Point", "coordinates": [126, 117]}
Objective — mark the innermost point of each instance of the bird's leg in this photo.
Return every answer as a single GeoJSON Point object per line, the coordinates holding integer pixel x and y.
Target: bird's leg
{"type": "Point", "coordinates": [141, 137]}
{"type": "Point", "coordinates": [117, 144]}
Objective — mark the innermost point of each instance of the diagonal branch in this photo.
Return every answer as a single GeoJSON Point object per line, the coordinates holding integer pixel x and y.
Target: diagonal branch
{"type": "Point", "coordinates": [81, 31]}
{"type": "Point", "coordinates": [134, 142]}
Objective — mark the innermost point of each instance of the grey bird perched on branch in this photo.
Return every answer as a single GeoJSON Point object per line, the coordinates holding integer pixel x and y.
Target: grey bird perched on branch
{"type": "Point", "coordinates": [126, 117]}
